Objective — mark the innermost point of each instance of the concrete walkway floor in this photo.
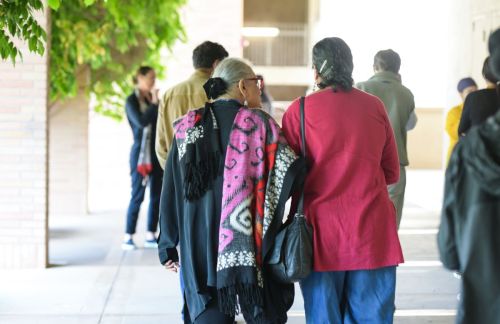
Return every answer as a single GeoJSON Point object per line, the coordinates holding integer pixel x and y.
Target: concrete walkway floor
{"type": "Point", "coordinates": [93, 281]}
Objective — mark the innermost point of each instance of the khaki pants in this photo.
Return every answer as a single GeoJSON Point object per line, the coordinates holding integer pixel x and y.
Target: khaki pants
{"type": "Point", "coordinates": [397, 193]}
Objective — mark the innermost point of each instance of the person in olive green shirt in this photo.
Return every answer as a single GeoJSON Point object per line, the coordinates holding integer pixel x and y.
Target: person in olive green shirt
{"type": "Point", "coordinates": [187, 95]}
{"type": "Point", "coordinates": [464, 87]}
{"type": "Point", "coordinates": [400, 106]}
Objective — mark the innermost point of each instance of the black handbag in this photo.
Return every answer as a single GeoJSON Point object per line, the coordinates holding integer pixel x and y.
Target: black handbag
{"type": "Point", "coordinates": [292, 256]}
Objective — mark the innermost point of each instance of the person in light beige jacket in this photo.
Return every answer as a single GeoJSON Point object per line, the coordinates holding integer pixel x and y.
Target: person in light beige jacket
{"type": "Point", "coordinates": [187, 95]}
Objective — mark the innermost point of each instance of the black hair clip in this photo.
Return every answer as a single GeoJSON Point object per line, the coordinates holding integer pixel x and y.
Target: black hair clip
{"type": "Point", "coordinates": [215, 87]}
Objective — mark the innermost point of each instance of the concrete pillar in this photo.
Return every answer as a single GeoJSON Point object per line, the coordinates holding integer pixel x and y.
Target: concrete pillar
{"type": "Point", "coordinates": [24, 160]}
{"type": "Point", "coordinates": [69, 125]}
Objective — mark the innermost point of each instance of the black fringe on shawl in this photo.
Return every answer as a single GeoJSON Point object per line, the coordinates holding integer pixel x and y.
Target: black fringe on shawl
{"type": "Point", "coordinates": [247, 295]}
{"type": "Point", "coordinates": [203, 159]}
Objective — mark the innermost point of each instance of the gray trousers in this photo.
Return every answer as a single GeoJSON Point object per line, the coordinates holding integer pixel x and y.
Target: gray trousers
{"type": "Point", "coordinates": [397, 193]}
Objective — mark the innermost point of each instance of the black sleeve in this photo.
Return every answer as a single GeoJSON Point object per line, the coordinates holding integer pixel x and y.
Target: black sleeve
{"type": "Point", "coordinates": [485, 105]}
{"type": "Point", "coordinates": [169, 209]}
{"type": "Point", "coordinates": [465, 121]}
{"type": "Point", "coordinates": [446, 237]}
{"type": "Point", "coordinates": [135, 116]}
{"type": "Point", "coordinates": [294, 180]}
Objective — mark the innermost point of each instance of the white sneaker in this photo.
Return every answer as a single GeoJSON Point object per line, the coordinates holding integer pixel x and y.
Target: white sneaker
{"type": "Point", "coordinates": [150, 244]}
{"type": "Point", "coordinates": [128, 245]}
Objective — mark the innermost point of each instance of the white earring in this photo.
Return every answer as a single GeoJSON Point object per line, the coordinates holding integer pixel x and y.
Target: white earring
{"type": "Point", "coordinates": [315, 87]}
{"type": "Point", "coordinates": [245, 103]}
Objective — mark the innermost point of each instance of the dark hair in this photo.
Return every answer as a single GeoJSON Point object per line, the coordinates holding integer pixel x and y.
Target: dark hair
{"type": "Point", "coordinates": [143, 70]}
{"type": "Point", "coordinates": [487, 73]}
{"type": "Point", "coordinates": [494, 61]}
{"type": "Point", "coordinates": [494, 47]}
{"type": "Point", "coordinates": [205, 54]}
{"type": "Point", "coordinates": [387, 60]}
{"type": "Point", "coordinates": [465, 83]}
{"type": "Point", "coordinates": [215, 87]}
{"type": "Point", "coordinates": [332, 60]}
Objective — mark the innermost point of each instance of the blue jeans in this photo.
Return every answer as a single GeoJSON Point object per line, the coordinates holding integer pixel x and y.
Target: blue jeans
{"type": "Point", "coordinates": [137, 197]}
{"type": "Point", "coordinates": [361, 296]}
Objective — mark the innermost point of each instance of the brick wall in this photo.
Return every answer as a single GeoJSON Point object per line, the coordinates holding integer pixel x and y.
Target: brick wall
{"type": "Point", "coordinates": [23, 160]}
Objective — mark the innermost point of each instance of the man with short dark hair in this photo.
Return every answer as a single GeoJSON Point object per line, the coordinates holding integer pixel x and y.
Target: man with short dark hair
{"type": "Point", "coordinates": [186, 95]}
{"type": "Point", "coordinates": [464, 87]}
{"type": "Point", "coordinates": [387, 60]}
{"type": "Point", "coordinates": [400, 106]}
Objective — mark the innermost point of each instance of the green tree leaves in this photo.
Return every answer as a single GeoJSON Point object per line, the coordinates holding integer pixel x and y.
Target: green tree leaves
{"type": "Point", "coordinates": [112, 38]}
{"type": "Point", "coordinates": [108, 39]}
{"type": "Point", "coordinates": [54, 4]}
{"type": "Point", "coordinates": [17, 21]}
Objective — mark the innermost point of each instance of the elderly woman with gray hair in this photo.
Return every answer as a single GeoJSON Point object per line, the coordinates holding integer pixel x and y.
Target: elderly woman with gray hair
{"type": "Point", "coordinates": [227, 178]}
{"type": "Point", "coordinates": [352, 158]}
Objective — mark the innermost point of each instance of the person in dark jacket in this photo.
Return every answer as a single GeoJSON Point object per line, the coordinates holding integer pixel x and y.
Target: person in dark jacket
{"type": "Point", "coordinates": [228, 175]}
{"type": "Point", "coordinates": [468, 239]}
{"type": "Point", "coordinates": [481, 104]}
{"type": "Point", "coordinates": [141, 108]}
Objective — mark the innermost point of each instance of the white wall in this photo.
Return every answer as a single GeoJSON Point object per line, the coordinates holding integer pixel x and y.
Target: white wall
{"type": "Point", "coordinates": [459, 49]}
{"type": "Point", "coordinates": [415, 29]}
{"type": "Point", "coordinates": [470, 25]}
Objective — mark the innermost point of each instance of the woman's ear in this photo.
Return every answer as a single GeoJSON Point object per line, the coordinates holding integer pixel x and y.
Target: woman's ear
{"type": "Point", "coordinates": [242, 88]}
{"type": "Point", "coordinates": [315, 73]}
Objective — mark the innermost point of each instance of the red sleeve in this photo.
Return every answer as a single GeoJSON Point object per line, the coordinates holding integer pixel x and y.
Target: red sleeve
{"type": "Point", "coordinates": [291, 126]}
{"type": "Point", "coordinates": [291, 130]}
{"type": "Point", "coordinates": [390, 159]}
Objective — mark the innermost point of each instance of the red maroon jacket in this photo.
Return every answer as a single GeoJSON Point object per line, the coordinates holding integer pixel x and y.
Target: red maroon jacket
{"type": "Point", "coordinates": [352, 157]}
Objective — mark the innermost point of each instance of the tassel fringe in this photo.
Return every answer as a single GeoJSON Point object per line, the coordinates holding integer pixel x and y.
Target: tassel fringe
{"type": "Point", "coordinates": [247, 295]}
{"type": "Point", "coordinates": [199, 176]}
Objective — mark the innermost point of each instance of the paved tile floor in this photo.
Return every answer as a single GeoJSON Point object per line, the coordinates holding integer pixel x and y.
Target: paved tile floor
{"type": "Point", "coordinates": [93, 281]}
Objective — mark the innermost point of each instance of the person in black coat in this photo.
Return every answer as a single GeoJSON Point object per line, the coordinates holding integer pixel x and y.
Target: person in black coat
{"type": "Point", "coordinates": [468, 237]}
{"type": "Point", "coordinates": [142, 111]}
{"type": "Point", "coordinates": [228, 175]}
{"type": "Point", "coordinates": [481, 104]}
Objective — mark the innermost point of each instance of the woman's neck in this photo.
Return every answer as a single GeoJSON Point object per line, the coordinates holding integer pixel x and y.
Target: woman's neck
{"type": "Point", "coordinates": [144, 94]}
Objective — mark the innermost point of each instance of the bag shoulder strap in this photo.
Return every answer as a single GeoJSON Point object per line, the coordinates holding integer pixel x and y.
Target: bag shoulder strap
{"type": "Point", "coordinates": [300, 204]}
{"type": "Point", "coordinates": [303, 126]}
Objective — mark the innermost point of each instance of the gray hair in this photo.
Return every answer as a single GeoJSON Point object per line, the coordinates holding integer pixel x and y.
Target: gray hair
{"type": "Point", "coordinates": [232, 70]}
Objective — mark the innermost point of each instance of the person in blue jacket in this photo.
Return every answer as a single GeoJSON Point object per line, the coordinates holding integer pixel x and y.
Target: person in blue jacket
{"type": "Point", "coordinates": [142, 111]}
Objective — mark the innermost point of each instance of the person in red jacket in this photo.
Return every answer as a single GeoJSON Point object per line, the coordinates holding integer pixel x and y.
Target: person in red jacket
{"type": "Point", "coordinates": [352, 158]}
